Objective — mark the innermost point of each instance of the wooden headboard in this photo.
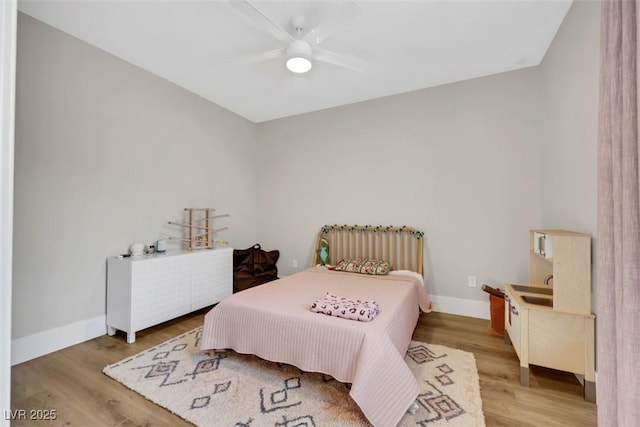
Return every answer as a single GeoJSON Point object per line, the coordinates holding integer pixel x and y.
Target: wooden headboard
{"type": "Point", "coordinates": [402, 246]}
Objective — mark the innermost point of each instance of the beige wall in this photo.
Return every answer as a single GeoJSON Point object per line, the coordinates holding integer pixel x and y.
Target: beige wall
{"type": "Point", "coordinates": [460, 162]}
{"type": "Point", "coordinates": [475, 164]}
{"type": "Point", "coordinates": [569, 75]}
{"type": "Point", "coordinates": [106, 154]}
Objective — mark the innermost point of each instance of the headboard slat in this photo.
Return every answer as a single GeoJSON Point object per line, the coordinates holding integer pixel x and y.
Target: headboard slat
{"type": "Point", "coordinates": [402, 247]}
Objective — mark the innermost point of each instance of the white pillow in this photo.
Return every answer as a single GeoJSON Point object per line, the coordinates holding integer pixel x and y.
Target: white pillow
{"type": "Point", "coordinates": [325, 266]}
{"type": "Point", "coordinates": [408, 273]}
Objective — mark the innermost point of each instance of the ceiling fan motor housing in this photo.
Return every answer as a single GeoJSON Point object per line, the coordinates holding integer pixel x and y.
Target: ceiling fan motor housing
{"type": "Point", "coordinates": [299, 48]}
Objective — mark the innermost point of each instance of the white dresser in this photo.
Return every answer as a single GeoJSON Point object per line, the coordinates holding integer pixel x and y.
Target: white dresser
{"type": "Point", "coordinates": [146, 290]}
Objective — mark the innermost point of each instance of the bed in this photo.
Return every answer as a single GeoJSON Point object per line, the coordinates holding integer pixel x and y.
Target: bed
{"type": "Point", "coordinates": [274, 320]}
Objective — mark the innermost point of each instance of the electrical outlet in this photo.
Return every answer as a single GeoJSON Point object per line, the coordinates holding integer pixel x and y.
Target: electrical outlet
{"type": "Point", "coordinates": [294, 263]}
{"type": "Point", "coordinates": [471, 281]}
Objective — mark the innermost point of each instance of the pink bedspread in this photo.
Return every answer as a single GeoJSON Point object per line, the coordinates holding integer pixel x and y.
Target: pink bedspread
{"type": "Point", "coordinates": [273, 321]}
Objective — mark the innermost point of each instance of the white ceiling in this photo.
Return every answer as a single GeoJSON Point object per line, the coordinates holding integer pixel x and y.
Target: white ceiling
{"type": "Point", "coordinates": [408, 45]}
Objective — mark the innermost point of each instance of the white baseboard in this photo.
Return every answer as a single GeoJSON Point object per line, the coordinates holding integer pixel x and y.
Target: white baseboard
{"type": "Point", "coordinates": [45, 342]}
{"type": "Point", "coordinates": [461, 307]}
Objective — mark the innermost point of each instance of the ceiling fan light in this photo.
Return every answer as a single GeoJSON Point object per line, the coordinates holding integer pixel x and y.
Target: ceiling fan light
{"type": "Point", "coordinates": [299, 57]}
{"type": "Point", "coordinates": [298, 65]}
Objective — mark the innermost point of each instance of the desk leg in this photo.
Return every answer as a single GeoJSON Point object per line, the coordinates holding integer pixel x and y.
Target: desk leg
{"type": "Point", "coordinates": [524, 347]}
{"type": "Point", "coordinates": [589, 391]}
{"type": "Point", "coordinates": [590, 361]}
{"type": "Point", "coordinates": [131, 337]}
{"type": "Point", "coordinates": [524, 376]}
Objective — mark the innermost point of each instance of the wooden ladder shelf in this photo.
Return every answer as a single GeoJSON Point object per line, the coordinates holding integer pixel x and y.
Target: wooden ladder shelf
{"type": "Point", "coordinates": [199, 228]}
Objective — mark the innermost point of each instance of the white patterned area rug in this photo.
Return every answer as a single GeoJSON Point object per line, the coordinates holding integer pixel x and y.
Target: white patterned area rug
{"type": "Point", "coordinates": [235, 390]}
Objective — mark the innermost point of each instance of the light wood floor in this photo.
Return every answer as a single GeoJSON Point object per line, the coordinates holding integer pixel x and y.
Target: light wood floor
{"type": "Point", "coordinates": [71, 381]}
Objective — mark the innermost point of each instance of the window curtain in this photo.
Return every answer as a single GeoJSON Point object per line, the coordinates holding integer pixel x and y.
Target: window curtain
{"type": "Point", "coordinates": [618, 244]}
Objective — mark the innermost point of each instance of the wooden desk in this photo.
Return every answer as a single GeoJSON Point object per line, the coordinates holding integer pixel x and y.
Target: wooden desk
{"type": "Point", "coordinates": [544, 336]}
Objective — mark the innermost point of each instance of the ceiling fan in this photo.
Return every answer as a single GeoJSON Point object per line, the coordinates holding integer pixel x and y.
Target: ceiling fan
{"type": "Point", "coordinates": [301, 43]}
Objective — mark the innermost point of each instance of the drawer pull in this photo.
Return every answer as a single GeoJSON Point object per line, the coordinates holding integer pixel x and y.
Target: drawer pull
{"type": "Point", "coordinates": [514, 311]}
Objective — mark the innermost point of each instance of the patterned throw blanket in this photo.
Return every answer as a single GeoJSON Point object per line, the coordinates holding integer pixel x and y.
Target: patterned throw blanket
{"type": "Point", "coordinates": [347, 308]}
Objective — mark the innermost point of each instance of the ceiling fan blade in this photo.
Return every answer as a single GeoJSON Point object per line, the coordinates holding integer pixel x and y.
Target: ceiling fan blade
{"type": "Point", "coordinates": [254, 57]}
{"type": "Point", "coordinates": [341, 16]}
{"type": "Point", "coordinates": [340, 60]}
{"type": "Point", "coordinates": [260, 19]}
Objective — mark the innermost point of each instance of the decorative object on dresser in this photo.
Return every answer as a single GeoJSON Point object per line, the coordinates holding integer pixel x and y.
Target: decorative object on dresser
{"type": "Point", "coordinates": [146, 290]}
{"type": "Point", "coordinates": [254, 266]}
{"type": "Point", "coordinates": [136, 249]}
{"type": "Point", "coordinates": [549, 322]}
{"type": "Point", "coordinates": [161, 246]}
{"type": "Point", "coordinates": [199, 229]}
{"type": "Point", "coordinates": [232, 389]}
